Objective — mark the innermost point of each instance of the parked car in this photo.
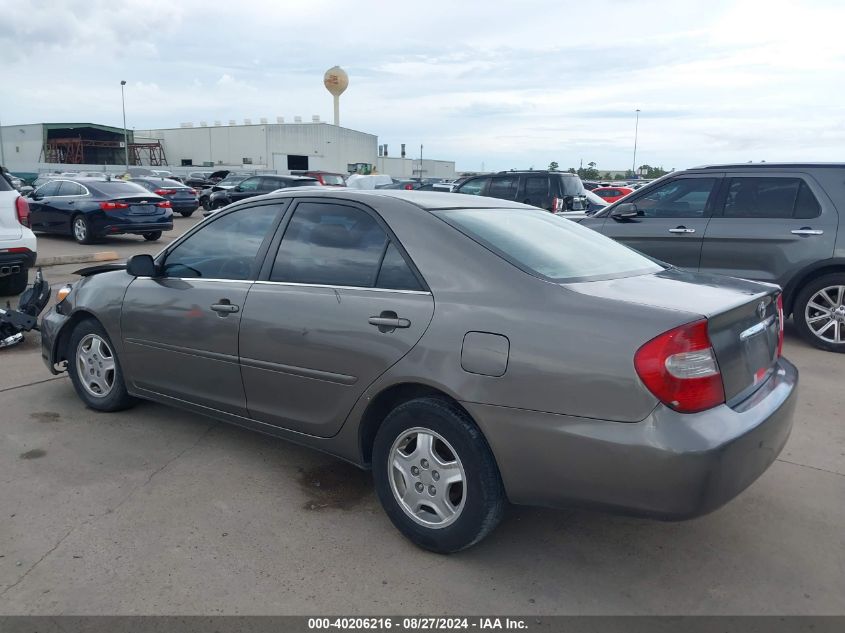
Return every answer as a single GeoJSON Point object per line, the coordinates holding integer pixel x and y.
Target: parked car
{"type": "Point", "coordinates": [183, 199]}
{"type": "Point", "coordinates": [594, 203]}
{"type": "Point", "coordinates": [405, 184]}
{"type": "Point", "coordinates": [17, 242]}
{"type": "Point", "coordinates": [771, 222]}
{"type": "Point", "coordinates": [549, 190]}
{"type": "Point", "coordinates": [612, 194]}
{"type": "Point", "coordinates": [327, 178]}
{"type": "Point", "coordinates": [89, 209]}
{"type": "Point", "coordinates": [231, 180]}
{"type": "Point", "coordinates": [256, 186]}
{"type": "Point", "coordinates": [201, 179]}
{"type": "Point", "coordinates": [558, 367]}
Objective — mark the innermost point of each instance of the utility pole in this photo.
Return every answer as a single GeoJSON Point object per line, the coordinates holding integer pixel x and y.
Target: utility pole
{"type": "Point", "coordinates": [125, 134]}
{"type": "Point", "coordinates": [636, 131]}
{"type": "Point", "coordinates": [2, 151]}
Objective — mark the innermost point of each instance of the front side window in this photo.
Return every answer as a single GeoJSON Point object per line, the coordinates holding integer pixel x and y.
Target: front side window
{"type": "Point", "coordinates": [250, 184]}
{"type": "Point", "coordinates": [225, 248]}
{"type": "Point", "coordinates": [503, 187]}
{"type": "Point", "coordinates": [548, 246]}
{"type": "Point", "coordinates": [474, 187]}
{"type": "Point", "coordinates": [770, 198]}
{"type": "Point", "coordinates": [679, 198]}
{"type": "Point", "coordinates": [330, 244]}
{"type": "Point", "coordinates": [67, 188]}
{"type": "Point", "coordinates": [49, 189]}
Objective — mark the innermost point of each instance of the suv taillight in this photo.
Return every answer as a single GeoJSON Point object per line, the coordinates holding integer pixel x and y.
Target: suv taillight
{"type": "Point", "coordinates": [780, 325]}
{"type": "Point", "coordinates": [558, 204]}
{"type": "Point", "coordinates": [22, 210]}
{"type": "Point", "coordinates": [680, 368]}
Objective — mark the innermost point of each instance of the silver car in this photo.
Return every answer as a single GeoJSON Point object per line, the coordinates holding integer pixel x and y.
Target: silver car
{"type": "Point", "coordinates": [471, 351]}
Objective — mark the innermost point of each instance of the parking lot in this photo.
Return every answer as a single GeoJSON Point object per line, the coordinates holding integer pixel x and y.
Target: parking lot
{"type": "Point", "coordinates": [155, 510]}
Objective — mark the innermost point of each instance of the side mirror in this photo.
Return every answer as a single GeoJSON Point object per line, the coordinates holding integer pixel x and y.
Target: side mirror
{"type": "Point", "coordinates": [238, 188]}
{"type": "Point", "coordinates": [141, 266]}
{"type": "Point", "coordinates": [625, 211]}
{"type": "Point", "coordinates": [34, 195]}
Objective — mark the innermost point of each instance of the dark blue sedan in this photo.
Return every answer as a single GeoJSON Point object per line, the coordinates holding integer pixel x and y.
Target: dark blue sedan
{"type": "Point", "coordinates": [88, 209]}
{"type": "Point", "coordinates": [183, 199]}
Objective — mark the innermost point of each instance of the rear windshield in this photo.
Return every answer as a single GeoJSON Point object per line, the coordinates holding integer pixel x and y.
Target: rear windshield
{"type": "Point", "coordinates": [571, 185]}
{"type": "Point", "coordinates": [332, 179]}
{"type": "Point", "coordinates": [161, 183]}
{"type": "Point", "coordinates": [548, 246]}
{"type": "Point", "coordinates": [119, 187]}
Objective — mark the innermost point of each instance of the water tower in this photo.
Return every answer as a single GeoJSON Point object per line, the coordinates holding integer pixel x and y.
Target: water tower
{"type": "Point", "coordinates": [336, 81]}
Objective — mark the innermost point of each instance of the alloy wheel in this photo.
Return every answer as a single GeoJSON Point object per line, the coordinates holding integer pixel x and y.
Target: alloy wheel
{"type": "Point", "coordinates": [825, 314]}
{"type": "Point", "coordinates": [427, 478]}
{"type": "Point", "coordinates": [95, 366]}
{"type": "Point", "coordinates": [80, 229]}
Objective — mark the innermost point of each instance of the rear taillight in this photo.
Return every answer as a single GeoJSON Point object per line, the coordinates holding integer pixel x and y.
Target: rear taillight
{"type": "Point", "coordinates": [113, 206]}
{"type": "Point", "coordinates": [780, 325]}
{"type": "Point", "coordinates": [164, 192]}
{"type": "Point", "coordinates": [680, 368]}
{"type": "Point", "coordinates": [557, 204]}
{"type": "Point", "coordinates": [408, 187]}
{"type": "Point", "coordinates": [164, 204]}
{"type": "Point", "coordinates": [22, 209]}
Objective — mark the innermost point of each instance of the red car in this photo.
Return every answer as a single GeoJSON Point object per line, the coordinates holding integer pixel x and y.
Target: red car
{"type": "Point", "coordinates": [612, 194]}
{"type": "Point", "coordinates": [326, 178]}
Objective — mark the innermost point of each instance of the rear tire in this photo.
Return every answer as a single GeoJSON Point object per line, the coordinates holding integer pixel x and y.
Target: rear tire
{"type": "Point", "coordinates": [15, 283]}
{"type": "Point", "coordinates": [152, 236]}
{"type": "Point", "coordinates": [819, 312]}
{"type": "Point", "coordinates": [436, 476]}
{"type": "Point", "coordinates": [81, 230]}
{"type": "Point", "coordinates": [95, 369]}
{"type": "Point", "coordinates": [187, 214]}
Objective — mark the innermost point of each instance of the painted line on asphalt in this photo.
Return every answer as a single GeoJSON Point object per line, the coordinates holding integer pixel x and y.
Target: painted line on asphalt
{"type": "Point", "coordinates": [31, 384]}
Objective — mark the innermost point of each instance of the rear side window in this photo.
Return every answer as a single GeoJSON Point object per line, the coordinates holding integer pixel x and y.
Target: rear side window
{"type": "Point", "coordinates": [330, 244]}
{"type": "Point", "coordinates": [549, 246]}
{"type": "Point", "coordinates": [474, 187]}
{"type": "Point", "coordinates": [773, 198]}
{"type": "Point", "coordinates": [536, 186]}
{"type": "Point", "coordinates": [395, 272]}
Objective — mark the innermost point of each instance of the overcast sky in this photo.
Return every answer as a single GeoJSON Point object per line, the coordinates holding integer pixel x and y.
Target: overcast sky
{"type": "Point", "coordinates": [503, 84]}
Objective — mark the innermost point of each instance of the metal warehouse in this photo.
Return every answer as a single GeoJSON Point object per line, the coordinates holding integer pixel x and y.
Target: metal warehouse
{"type": "Point", "coordinates": [280, 147]}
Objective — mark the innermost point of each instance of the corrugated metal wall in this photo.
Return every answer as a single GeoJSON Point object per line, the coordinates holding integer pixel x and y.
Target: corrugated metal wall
{"type": "Point", "coordinates": [267, 146]}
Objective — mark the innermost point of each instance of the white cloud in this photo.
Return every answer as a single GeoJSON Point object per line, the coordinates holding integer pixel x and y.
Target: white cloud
{"type": "Point", "coordinates": [507, 84]}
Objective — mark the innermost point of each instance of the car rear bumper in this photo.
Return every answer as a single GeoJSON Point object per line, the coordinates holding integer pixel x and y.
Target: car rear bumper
{"type": "Point", "coordinates": [184, 205]}
{"type": "Point", "coordinates": [136, 227]}
{"type": "Point", "coordinates": [670, 465]}
{"type": "Point", "coordinates": [14, 262]}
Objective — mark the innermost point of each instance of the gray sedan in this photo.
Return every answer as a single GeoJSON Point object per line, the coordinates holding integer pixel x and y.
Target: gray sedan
{"type": "Point", "coordinates": [471, 351]}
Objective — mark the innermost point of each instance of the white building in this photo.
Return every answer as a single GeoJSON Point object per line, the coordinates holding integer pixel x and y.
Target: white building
{"type": "Point", "coordinates": [280, 147]}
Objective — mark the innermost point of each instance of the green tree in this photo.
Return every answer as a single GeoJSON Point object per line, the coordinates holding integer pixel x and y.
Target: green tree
{"type": "Point", "coordinates": [553, 165]}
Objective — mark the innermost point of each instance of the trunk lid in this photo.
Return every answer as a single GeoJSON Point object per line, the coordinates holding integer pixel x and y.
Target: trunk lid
{"type": "Point", "coordinates": [742, 318]}
{"type": "Point", "coordinates": [141, 204]}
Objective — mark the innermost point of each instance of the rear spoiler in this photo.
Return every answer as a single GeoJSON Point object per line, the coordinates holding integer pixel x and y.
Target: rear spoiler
{"type": "Point", "coordinates": [96, 270]}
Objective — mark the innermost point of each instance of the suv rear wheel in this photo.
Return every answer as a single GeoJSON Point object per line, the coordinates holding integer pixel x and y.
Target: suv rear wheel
{"type": "Point", "coordinates": [819, 312]}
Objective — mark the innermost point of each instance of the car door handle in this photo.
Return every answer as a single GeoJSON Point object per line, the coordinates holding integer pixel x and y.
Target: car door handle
{"type": "Point", "coordinates": [681, 229]}
{"type": "Point", "coordinates": [224, 307]}
{"type": "Point", "coordinates": [808, 231]}
{"type": "Point", "coordinates": [392, 322]}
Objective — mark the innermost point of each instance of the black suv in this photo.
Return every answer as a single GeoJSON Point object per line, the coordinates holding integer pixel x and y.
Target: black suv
{"type": "Point", "coordinates": [773, 222]}
{"type": "Point", "coordinates": [256, 186]}
{"type": "Point", "coordinates": [549, 190]}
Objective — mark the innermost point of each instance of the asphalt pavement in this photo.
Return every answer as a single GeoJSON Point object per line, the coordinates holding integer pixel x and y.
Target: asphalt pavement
{"type": "Point", "coordinates": [158, 511]}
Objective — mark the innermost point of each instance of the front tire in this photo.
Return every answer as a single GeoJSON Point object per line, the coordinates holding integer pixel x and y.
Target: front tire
{"type": "Point", "coordinates": [95, 369]}
{"type": "Point", "coordinates": [15, 283]}
{"type": "Point", "coordinates": [152, 236]}
{"type": "Point", "coordinates": [81, 230]}
{"type": "Point", "coordinates": [436, 476]}
{"type": "Point", "coordinates": [819, 312]}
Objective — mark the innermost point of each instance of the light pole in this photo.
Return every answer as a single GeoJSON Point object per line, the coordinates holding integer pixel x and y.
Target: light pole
{"type": "Point", "coordinates": [421, 163]}
{"type": "Point", "coordinates": [636, 131]}
{"type": "Point", "coordinates": [125, 134]}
